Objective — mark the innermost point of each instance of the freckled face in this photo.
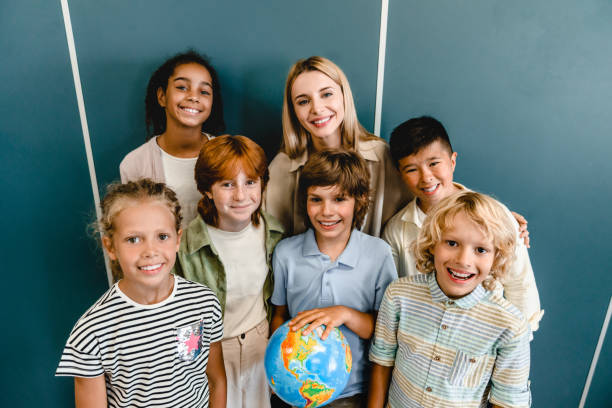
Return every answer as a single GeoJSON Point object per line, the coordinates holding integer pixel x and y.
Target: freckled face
{"type": "Point", "coordinates": [463, 258]}
{"type": "Point", "coordinates": [319, 106]}
{"type": "Point", "coordinates": [236, 199]}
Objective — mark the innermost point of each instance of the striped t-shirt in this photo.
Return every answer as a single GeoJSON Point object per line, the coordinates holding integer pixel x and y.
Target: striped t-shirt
{"type": "Point", "coordinates": [451, 353]}
{"type": "Point", "coordinates": [150, 355]}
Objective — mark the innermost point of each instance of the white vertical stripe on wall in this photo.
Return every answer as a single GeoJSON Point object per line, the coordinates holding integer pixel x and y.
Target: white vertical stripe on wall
{"type": "Point", "coordinates": [380, 78]}
{"type": "Point", "coordinates": [602, 336]}
{"type": "Point", "coordinates": [83, 115]}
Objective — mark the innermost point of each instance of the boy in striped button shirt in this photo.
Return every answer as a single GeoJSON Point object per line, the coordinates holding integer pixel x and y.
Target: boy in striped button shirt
{"type": "Point", "coordinates": [454, 342]}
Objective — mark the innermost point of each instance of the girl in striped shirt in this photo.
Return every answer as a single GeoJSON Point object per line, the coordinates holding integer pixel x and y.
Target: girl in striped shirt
{"type": "Point", "coordinates": [152, 340]}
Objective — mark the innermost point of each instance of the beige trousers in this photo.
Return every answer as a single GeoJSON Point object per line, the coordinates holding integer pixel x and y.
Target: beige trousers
{"type": "Point", "coordinates": [243, 357]}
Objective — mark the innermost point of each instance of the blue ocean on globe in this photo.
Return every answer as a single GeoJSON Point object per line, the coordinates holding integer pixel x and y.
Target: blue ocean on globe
{"type": "Point", "coordinates": [306, 371]}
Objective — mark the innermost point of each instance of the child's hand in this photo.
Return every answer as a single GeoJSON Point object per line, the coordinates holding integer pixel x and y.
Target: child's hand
{"type": "Point", "coordinates": [523, 233]}
{"type": "Point", "coordinates": [331, 317]}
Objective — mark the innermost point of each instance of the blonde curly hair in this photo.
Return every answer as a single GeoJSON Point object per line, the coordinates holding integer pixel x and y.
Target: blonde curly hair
{"type": "Point", "coordinates": [488, 213]}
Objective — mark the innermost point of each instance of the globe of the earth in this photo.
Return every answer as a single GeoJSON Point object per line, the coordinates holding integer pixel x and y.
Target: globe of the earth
{"type": "Point", "coordinates": [305, 371]}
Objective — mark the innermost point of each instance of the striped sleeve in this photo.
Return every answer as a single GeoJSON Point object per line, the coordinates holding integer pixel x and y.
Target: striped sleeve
{"type": "Point", "coordinates": [384, 342]}
{"type": "Point", "coordinates": [216, 322]}
{"type": "Point", "coordinates": [510, 377]}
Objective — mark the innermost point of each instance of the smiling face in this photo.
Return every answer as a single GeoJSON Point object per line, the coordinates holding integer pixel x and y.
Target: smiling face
{"type": "Point", "coordinates": [428, 174]}
{"type": "Point", "coordinates": [319, 107]}
{"type": "Point", "coordinates": [145, 243]}
{"type": "Point", "coordinates": [188, 98]}
{"type": "Point", "coordinates": [463, 257]}
{"type": "Point", "coordinates": [330, 212]}
{"type": "Point", "coordinates": [236, 199]}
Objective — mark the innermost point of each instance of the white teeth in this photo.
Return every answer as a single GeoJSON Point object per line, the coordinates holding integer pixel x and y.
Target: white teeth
{"type": "Point", "coordinates": [191, 110]}
{"type": "Point", "coordinates": [318, 122]}
{"type": "Point", "coordinates": [329, 224]}
{"type": "Point", "coordinates": [150, 267]}
{"type": "Point", "coordinates": [459, 275]}
{"type": "Point", "coordinates": [430, 189]}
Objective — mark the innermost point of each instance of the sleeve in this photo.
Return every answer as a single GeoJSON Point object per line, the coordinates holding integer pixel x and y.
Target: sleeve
{"type": "Point", "coordinates": [279, 295]}
{"type": "Point", "coordinates": [384, 342]}
{"type": "Point", "coordinates": [510, 377]}
{"type": "Point", "coordinates": [390, 236]}
{"type": "Point", "coordinates": [520, 287]}
{"type": "Point", "coordinates": [216, 322]}
{"type": "Point", "coordinates": [278, 197]}
{"type": "Point", "coordinates": [386, 275]}
{"type": "Point", "coordinates": [82, 359]}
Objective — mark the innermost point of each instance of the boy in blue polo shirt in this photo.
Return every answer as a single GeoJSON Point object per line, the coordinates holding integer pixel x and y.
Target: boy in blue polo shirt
{"type": "Point", "coordinates": [333, 274]}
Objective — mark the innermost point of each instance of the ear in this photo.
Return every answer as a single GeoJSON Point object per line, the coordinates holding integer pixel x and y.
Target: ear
{"type": "Point", "coordinates": [453, 160]}
{"type": "Point", "coordinates": [161, 97]}
{"type": "Point", "coordinates": [179, 235]}
{"type": "Point", "coordinates": [108, 246]}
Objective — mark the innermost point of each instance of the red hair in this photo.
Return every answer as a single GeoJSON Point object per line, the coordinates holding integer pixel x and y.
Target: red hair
{"type": "Point", "coordinates": [222, 158]}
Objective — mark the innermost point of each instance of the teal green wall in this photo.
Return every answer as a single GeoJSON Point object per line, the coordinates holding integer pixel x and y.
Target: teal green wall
{"type": "Point", "coordinates": [523, 87]}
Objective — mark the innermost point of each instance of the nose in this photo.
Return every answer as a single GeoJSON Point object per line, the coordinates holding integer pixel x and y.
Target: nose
{"type": "Point", "coordinates": [327, 207]}
{"type": "Point", "coordinates": [464, 257]}
{"type": "Point", "coordinates": [425, 173]}
{"type": "Point", "coordinates": [149, 249]}
{"type": "Point", "coordinates": [239, 192]}
{"type": "Point", "coordinates": [194, 96]}
{"type": "Point", "coordinates": [316, 105]}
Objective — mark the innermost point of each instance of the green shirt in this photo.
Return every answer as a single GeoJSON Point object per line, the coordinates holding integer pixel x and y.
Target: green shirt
{"type": "Point", "coordinates": [198, 259]}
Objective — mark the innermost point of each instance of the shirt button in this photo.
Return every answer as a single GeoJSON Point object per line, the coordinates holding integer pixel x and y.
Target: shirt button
{"type": "Point", "coordinates": [450, 302]}
{"type": "Point", "coordinates": [444, 327]}
{"type": "Point", "coordinates": [242, 336]}
{"type": "Point", "coordinates": [437, 358]}
{"type": "Point", "coordinates": [428, 389]}
{"type": "Point", "coordinates": [472, 360]}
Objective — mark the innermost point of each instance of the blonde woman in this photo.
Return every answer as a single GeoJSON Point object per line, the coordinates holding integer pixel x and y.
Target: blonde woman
{"type": "Point", "coordinates": [319, 113]}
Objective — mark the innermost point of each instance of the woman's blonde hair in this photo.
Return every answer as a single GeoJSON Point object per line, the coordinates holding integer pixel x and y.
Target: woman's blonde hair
{"type": "Point", "coordinates": [486, 212]}
{"type": "Point", "coordinates": [296, 140]}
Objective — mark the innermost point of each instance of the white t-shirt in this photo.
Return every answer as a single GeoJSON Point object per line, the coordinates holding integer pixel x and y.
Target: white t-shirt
{"type": "Point", "coordinates": [243, 255]}
{"type": "Point", "coordinates": [180, 177]}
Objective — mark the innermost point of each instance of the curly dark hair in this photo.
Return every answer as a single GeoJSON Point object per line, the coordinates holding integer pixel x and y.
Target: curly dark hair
{"type": "Point", "coordinates": [155, 115]}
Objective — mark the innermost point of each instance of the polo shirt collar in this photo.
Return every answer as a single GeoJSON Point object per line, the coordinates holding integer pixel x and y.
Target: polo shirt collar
{"type": "Point", "coordinates": [466, 302]}
{"type": "Point", "coordinates": [348, 257]}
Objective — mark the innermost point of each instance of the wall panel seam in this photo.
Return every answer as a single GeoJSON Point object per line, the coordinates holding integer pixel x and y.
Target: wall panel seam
{"type": "Point", "coordinates": [83, 117]}
{"type": "Point", "coordinates": [380, 77]}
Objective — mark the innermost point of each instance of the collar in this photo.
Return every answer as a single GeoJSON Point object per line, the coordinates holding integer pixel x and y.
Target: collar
{"type": "Point", "coordinates": [349, 256]}
{"type": "Point", "coordinates": [196, 236]}
{"type": "Point", "coordinates": [466, 302]}
{"type": "Point", "coordinates": [298, 162]}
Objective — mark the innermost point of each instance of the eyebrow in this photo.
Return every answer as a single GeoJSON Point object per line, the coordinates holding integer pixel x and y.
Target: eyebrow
{"type": "Point", "coordinates": [320, 90]}
{"type": "Point", "coordinates": [189, 80]}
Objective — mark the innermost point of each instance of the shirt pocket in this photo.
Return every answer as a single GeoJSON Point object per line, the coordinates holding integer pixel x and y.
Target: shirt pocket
{"type": "Point", "coordinates": [470, 370]}
{"type": "Point", "coordinates": [189, 341]}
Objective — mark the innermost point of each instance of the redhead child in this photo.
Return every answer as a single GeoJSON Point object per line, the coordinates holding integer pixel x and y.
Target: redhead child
{"type": "Point", "coordinates": [444, 338]}
{"type": "Point", "coordinates": [152, 340]}
{"type": "Point", "coordinates": [183, 110]}
{"type": "Point", "coordinates": [333, 274]}
{"type": "Point", "coordinates": [228, 247]}
{"type": "Point", "coordinates": [319, 113]}
{"type": "Point", "coordinates": [425, 158]}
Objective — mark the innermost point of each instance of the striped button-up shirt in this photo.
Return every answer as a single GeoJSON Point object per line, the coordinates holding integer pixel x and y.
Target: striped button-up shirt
{"type": "Point", "coordinates": [451, 352]}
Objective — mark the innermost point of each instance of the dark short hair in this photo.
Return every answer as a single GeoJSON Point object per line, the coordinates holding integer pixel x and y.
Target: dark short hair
{"type": "Point", "coordinates": [415, 134]}
{"type": "Point", "coordinates": [155, 115]}
{"type": "Point", "coordinates": [342, 168]}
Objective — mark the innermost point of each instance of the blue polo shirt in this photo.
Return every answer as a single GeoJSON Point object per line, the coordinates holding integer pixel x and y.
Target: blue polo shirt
{"type": "Point", "coordinates": [305, 278]}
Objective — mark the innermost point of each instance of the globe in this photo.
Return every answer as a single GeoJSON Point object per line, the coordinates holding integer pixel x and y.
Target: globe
{"type": "Point", "coordinates": [305, 371]}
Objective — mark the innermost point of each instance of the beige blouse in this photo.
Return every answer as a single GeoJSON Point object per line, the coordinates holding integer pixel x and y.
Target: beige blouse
{"type": "Point", "coordinates": [387, 191]}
